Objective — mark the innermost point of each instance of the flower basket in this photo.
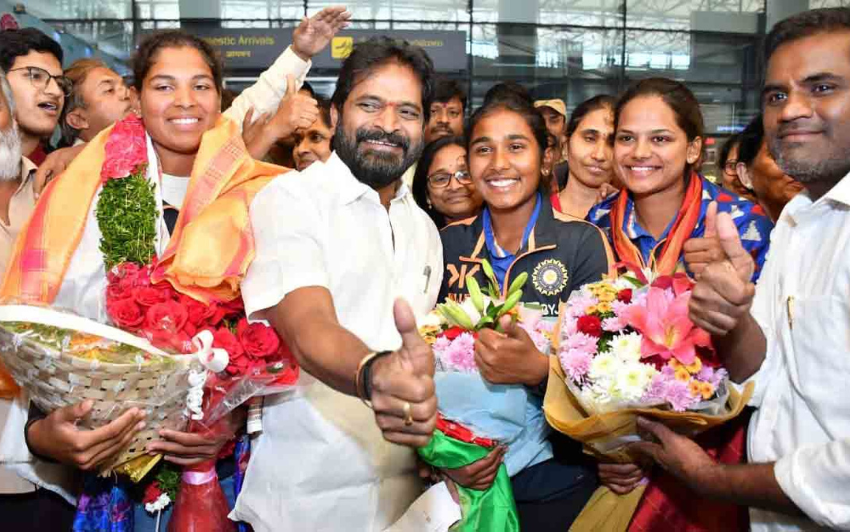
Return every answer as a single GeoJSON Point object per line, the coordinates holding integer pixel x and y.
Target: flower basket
{"type": "Point", "coordinates": [61, 359]}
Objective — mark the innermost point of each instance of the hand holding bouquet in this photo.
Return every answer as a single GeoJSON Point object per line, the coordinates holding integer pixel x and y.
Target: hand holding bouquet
{"type": "Point", "coordinates": [626, 347]}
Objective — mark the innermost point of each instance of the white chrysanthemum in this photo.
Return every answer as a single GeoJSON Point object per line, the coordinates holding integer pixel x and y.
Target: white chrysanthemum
{"type": "Point", "coordinates": [604, 367]}
{"type": "Point", "coordinates": [622, 282]}
{"type": "Point", "coordinates": [626, 347]}
{"type": "Point", "coordinates": [632, 380]}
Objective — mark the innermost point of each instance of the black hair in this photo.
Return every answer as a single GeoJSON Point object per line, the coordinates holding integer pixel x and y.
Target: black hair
{"type": "Point", "coordinates": [508, 90]}
{"type": "Point", "coordinates": [309, 88]}
{"type": "Point", "coordinates": [525, 108]}
{"type": "Point", "coordinates": [324, 111]}
{"type": "Point", "coordinates": [750, 141]}
{"type": "Point", "coordinates": [420, 178]}
{"type": "Point", "coordinates": [150, 46]}
{"type": "Point", "coordinates": [447, 89]}
{"type": "Point", "coordinates": [377, 52]}
{"type": "Point", "coordinates": [602, 101]}
{"type": "Point", "coordinates": [726, 149]}
{"type": "Point", "coordinates": [679, 99]}
{"type": "Point", "coordinates": [15, 43]}
{"type": "Point", "coordinates": [806, 24]}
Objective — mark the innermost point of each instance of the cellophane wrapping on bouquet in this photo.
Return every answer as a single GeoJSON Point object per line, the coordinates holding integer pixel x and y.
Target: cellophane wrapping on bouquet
{"type": "Point", "coordinates": [485, 414]}
{"type": "Point", "coordinates": [626, 348]}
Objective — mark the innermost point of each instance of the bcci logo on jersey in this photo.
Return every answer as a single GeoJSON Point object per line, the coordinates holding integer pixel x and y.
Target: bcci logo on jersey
{"type": "Point", "coordinates": [550, 277]}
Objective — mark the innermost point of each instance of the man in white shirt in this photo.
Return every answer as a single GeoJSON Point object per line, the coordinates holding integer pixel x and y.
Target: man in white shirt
{"type": "Point", "coordinates": [791, 334]}
{"type": "Point", "coordinates": [336, 246]}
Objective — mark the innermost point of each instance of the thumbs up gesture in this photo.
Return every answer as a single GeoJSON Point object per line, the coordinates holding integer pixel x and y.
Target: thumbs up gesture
{"type": "Point", "coordinates": [403, 393]}
{"type": "Point", "coordinates": [723, 293]}
{"type": "Point", "coordinates": [510, 357]}
{"type": "Point", "coordinates": [296, 110]}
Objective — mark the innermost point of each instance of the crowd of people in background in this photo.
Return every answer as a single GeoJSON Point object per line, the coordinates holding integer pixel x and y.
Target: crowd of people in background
{"type": "Point", "coordinates": [396, 186]}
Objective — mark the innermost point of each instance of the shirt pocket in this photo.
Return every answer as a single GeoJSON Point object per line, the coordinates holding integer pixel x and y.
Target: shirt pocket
{"type": "Point", "coordinates": [820, 339]}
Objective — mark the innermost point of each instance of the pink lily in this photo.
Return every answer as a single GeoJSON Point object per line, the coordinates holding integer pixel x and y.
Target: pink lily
{"type": "Point", "coordinates": [666, 328]}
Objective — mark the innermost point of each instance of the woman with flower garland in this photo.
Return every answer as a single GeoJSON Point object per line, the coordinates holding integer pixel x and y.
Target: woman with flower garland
{"type": "Point", "coordinates": [663, 221]}
{"type": "Point", "coordinates": [518, 231]}
{"type": "Point", "coordinates": [185, 207]}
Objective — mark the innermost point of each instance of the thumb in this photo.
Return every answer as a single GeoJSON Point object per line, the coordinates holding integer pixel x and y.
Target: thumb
{"type": "Point", "coordinates": [711, 220]}
{"type": "Point", "coordinates": [290, 85]}
{"type": "Point", "coordinates": [508, 326]}
{"type": "Point", "coordinates": [730, 240]}
{"type": "Point", "coordinates": [248, 116]}
{"type": "Point", "coordinates": [413, 346]}
{"type": "Point", "coordinates": [73, 413]}
{"type": "Point", "coordinates": [658, 430]}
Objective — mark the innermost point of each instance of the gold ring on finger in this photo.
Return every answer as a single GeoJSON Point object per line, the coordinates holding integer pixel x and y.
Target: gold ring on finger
{"type": "Point", "coordinates": [408, 416]}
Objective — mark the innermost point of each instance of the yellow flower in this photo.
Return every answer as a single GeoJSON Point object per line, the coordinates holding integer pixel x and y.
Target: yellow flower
{"type": "Point", "coordinates": [707, 390]}
{"type": "Point", "coordinates": [673, 363]}
{"type": "Point", "coordinates": [682, 374]}
{"type": "Point", "coordinates": [695, 388]}
{"type": "Point", "coordinates": [591, 309]}
{"type": "Point", "coordinates": [603, 307]}
{"type": "Point", "coordinates": [694, 366]}
{"type": "Point", "coordinates": [606, 296]}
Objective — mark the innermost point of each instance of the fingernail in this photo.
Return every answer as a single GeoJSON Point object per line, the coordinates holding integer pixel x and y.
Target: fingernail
{"type": "Point", "coordinates": [140, 425]}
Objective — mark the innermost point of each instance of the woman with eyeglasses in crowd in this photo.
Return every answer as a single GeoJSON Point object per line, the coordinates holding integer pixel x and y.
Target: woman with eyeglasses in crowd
{"type": "Point", "coordinates": [658, 222]}
{"type": "Point", "coordinates": [442, 186]}
{"type": "Point", "coordinates": [518, 231]}
{"type": "Point", "coordinates": [727, 163]}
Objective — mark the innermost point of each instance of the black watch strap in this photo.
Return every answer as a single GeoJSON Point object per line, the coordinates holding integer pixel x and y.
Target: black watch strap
{"type": "Point", "coordinates": [367, 373]}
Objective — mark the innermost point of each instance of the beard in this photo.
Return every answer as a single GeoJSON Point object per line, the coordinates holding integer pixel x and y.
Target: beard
{"type": "Point", "coordinates": [819, 167]}
{"type": "Point", "coordinates": [10, 153]}
{"type": "Point", "coordinates": [375, 169]}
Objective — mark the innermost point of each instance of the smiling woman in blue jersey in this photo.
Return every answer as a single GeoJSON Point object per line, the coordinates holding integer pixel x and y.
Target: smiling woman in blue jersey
{"type": "Point", "coordinates": [518, 231]}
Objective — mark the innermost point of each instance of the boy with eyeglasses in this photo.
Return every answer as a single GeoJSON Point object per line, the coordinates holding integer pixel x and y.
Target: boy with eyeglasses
{"type": "Point", "coordinates": [33, 65]}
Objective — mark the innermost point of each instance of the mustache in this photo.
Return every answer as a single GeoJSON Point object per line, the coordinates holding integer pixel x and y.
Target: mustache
{"type": "Point", "coordinates": [365, 135]}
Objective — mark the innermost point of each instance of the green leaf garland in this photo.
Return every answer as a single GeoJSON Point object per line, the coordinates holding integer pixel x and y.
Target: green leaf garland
{"type": "Point", "coordinates": [126, 214]}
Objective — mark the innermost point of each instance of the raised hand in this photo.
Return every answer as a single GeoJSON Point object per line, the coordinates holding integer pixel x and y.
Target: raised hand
{"type": "Point", "coordinates": [313, 34]}
{"type": "Point", "coordinates": [58, 437]}
{"type": "Point", "coordinates": [510, 357]}
{"type": "Point", "coordinates": [403, 392]}
{"type": "Point", "coordinates": [53, 166]}
{"type": "Point", "coordinates": [723, 293]}
{"type": "Point", "coordinates": [251, 128]}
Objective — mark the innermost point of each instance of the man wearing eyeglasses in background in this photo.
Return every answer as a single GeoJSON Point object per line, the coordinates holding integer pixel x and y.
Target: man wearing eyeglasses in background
{"type": "Point", "coordinates": [33, 65]}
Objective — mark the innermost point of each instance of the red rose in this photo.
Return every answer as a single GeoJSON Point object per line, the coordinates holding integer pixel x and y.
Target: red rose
{"type": "Point", "coordinates": [258, 340]}
{"type": "Point", "coordinates": [115, 292]}
{"type": "Point", "coordinates": [169, 317]}
{"type": "Point", "coordinates": [234, 307]}
{"type": "Point", "coordinates": [228, 341]}
{"type": "Point", "coordinates": [590, 325]}
{"type": "Point", "coordinates": [453, 333]}
{"type": "Point", "coordinates": [625, 295]}
{"type": "Point", "coordinates": [125, 313]}
{"type": "Point", "coordinates": [217, 313]}
{"type": "Point", "coordinates": [148, 296]}
{"type": "Point", "coordinates": [126, 148]}
{"type": "Point", "coordinates": [198, 312]}
{"type": "Point", "coordinates": [152, 493]}
{"type": "Point", "coordinates": [123, 270]}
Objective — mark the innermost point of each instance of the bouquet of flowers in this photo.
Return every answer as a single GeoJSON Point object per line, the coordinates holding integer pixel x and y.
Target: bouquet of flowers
{"type": "Point", "coordinates": [475, 415]}
{"type": "Point", "coordinates": [626, 347]}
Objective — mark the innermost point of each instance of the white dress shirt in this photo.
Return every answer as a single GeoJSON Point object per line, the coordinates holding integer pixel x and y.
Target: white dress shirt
{"type": "Point", "coordinates": [321, 462]}
{"type": "Point", "coordinates": [802, 304]}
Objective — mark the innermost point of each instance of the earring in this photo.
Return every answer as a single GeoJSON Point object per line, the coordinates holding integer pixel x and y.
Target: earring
{"type": "Point", "coordinates": [428, 201]}
{"type": "Point", "coordinates": [545, 172]}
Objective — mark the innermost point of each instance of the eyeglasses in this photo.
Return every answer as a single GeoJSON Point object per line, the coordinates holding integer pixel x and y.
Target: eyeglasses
{"type": "Point", "coordinates": [40, 79]}
{"type": "Point", "coordinates": [442, 180]}
{"type": "Point", "coordinates": [729, 168]}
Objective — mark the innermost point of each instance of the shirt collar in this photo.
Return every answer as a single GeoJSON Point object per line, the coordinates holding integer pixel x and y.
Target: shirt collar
{"type": "Point", "coordinates": [351, 189]}
{"type": "Point", "coordinates": [28, 169]}
{"type": "Point", "coordinates": [802, 205]}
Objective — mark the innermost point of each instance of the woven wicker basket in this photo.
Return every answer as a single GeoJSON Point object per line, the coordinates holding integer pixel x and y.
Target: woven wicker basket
{"type": "Point", "coordinates": [54, 378]}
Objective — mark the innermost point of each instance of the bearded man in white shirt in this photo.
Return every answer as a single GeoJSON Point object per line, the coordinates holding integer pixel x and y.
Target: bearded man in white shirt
{"type": "Point", "coordinates": [791, 334]}
{"type": "Point", "coordinates": [336, 245]}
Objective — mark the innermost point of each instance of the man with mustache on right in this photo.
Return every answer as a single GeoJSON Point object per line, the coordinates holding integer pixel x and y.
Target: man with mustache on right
{"type": "Point", "coordinates": [345, 261]}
